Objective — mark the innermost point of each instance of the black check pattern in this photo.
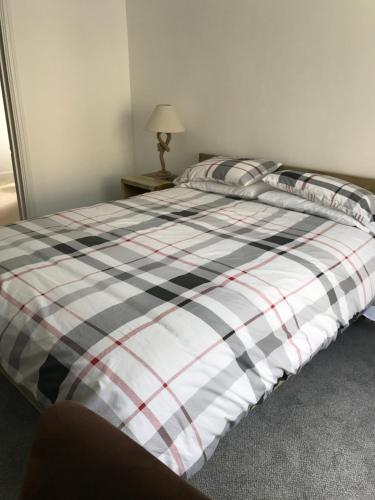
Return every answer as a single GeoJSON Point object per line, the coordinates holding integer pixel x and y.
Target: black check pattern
{"type": "Point", "coordinates": [328, 191]}
{"type": "Point", "coordinates": [170, 314]}
{"type": "Point", "coordinates": [229, 171]}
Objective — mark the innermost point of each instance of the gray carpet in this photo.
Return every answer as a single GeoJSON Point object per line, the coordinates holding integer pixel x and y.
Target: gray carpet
{"type": "Point", "coordinates": [314, 438]}
{"type": "Point", "coordinates": [17, 421]}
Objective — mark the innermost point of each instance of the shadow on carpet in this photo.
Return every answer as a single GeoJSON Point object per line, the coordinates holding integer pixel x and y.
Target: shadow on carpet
{"type": "Point", "coordinates": [17, 421]}
{"type": "Point", "coordinates": [312, 439]}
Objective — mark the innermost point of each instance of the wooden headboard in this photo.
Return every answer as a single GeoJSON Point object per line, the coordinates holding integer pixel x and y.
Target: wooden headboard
{"type": "Point", "coordinates": [364, 182]}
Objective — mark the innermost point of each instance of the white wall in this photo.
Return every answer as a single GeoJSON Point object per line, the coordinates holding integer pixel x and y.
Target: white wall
{"type": "Point", "coordinates": [72, 76]}
{"type": "Point", "coordinates": [292, 80]}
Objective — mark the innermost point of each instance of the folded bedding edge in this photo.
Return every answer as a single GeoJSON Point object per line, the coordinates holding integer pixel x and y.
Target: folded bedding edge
{"type": "Point", "coordinates": [211, 449]}
{"type": "Point", "coordinates": [230, 425]}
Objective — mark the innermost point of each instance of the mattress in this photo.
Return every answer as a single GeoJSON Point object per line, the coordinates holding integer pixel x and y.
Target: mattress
{"type": "Point", "coordinates": [171, 314]}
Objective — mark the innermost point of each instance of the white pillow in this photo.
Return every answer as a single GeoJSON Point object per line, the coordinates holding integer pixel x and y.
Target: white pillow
{"type": "Point", "coordinates": [288, 201]}
{"type": "Point", "coordinates": [246, 192]}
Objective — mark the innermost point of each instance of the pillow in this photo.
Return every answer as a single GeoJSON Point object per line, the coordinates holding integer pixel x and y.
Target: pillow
{"type": "Point", "coordinates": [230, 171]}
{"type": "Point", "coordinates": [246, 192]}
{"type": "Point", "coordinates": [292, 202]}
{"type": "Point", "coordinates": [328, 191]}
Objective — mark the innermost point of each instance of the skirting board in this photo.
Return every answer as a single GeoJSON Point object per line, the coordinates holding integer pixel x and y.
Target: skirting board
{"type": "Point", "coordinates": [6, 177]}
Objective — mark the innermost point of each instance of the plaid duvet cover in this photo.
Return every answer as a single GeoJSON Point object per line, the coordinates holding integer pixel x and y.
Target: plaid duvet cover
{"type": "Point", "coordinates": [171, 314]}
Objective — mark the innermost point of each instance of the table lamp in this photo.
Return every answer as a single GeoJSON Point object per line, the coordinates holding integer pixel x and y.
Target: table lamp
{"type": "Point", "coordinates": [164, 120]}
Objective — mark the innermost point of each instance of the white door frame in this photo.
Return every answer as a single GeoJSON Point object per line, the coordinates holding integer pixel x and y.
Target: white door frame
{"type": "Point", "coordinates": [13, 112]}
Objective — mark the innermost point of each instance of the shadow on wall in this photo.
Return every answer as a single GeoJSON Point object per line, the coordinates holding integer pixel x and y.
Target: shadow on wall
{"type": "Point", "coordinates": [124, 132]}
{"type": "Point", "coordinates": [110, 187]}
{"type": "Point", "coordinates": [109, 191]}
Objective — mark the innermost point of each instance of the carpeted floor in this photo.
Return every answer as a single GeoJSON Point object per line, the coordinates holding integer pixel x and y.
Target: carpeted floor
{"type": "Point", "coordinates": [8, 204]}
{"type": "Point", "coordinates": [17, 421]}
{"type": "Point", "coordinates": [312, 439]}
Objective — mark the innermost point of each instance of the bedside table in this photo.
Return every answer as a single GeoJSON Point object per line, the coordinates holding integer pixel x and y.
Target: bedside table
{"type": "Point", "coordinates": [132, 185]}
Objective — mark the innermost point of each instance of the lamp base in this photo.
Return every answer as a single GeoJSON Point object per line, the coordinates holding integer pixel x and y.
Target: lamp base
{"type": "Point", "coordinates": [162, 174]}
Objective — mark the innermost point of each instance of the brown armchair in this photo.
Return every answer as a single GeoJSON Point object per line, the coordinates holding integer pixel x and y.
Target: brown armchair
{"type": "Point", "coordinates": [77, 455]}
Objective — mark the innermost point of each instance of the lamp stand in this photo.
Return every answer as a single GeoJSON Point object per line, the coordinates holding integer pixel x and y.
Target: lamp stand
{"type": "Point", "coordinates": [163, 146]}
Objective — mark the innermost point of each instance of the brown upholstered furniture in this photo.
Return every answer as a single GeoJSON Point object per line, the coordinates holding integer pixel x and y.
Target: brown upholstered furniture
{"type": "Point", "coordinates": [77, 455]}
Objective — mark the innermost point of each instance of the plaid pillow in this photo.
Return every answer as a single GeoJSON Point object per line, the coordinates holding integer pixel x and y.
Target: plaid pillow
{"type": "Point", "coordinates": [232, 171]}
{"type": "Point", "coordinates": [328, 191]}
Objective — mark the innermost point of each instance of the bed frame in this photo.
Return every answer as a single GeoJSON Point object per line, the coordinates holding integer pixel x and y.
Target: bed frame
{"type": "Point", "coordinates": [364, 182]}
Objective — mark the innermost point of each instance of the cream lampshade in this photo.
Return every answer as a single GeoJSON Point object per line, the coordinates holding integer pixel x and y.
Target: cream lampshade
{"type": "Point", "coordinates": [164, 119]}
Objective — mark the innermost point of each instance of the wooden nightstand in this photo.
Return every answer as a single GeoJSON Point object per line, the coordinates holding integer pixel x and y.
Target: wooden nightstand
{"type": "Point", "coordinates": [133, 185]}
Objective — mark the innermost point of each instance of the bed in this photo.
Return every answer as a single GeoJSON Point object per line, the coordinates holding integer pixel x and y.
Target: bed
{"type": "Point", "coordinates": [173, 313]}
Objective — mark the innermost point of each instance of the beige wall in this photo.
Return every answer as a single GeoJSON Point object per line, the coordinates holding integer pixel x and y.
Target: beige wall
{"type": "Point", "coordinates": [6, 172]}
{"type": "Point", "coordinates": [292, 80]}
{"type": "Point", "coordinates": [72, 76]}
